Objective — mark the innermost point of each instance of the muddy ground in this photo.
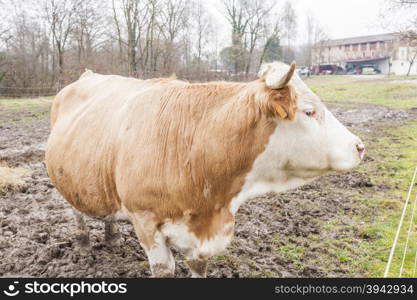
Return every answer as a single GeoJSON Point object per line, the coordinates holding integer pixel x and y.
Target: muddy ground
{"type": "Point", "coordinates": [279, 235]}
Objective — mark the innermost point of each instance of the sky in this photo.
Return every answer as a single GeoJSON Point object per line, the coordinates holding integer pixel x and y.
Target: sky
{"type": "Point", "coordinates": [339, 18]}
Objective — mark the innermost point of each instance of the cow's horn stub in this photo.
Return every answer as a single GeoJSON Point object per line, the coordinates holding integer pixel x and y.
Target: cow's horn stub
{"type": "Point", "coordinates": [276, 74]}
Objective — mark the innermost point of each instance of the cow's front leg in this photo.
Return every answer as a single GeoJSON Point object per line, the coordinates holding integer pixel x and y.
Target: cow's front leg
{"type": "Point", "coordinates": [154, 243]}
{"type": "Point", "coordinates": [160, 258]}
{"type": "Point", "coordinates": [198, 267]}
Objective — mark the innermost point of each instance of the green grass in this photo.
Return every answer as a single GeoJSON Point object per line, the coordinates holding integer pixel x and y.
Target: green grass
{"type": "Point", "coordinates": [395, 157]}
{"type": "Point", "coordinates": [393, 150]}
{"type": "Point", "coordinates": [13, 111]}
{"type": "Point", "coordinates": [24, 103]}
{"type": "Point", "coordinates": [401, 77]}
{"type": "Point", "coordinates": [374, 91]}
{"type": "Point", "coordinates": [292, 253]}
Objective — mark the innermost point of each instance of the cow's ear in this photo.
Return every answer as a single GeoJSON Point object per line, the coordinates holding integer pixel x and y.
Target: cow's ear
{"type": "Point", "coordinates": [280, 110]}
{"type": "Point", "coordinates": [283, 103]}
{"type": "Point", "coordinates": [276, 75]}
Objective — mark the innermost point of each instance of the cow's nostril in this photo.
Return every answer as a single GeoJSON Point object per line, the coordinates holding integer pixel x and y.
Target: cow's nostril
{"type": "Point", "coordinates": [360, 147]}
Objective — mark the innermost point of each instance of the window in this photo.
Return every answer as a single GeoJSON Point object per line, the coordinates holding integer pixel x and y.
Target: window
{"type": "Point", "coordinates": [355, 47]}
{"type": "Point", "coordinates": [373, 46]}
{"type": "Point", "coordinates": [382, 45]}
{"type": "Point", "coordinates": [363, 46]}
{"type": "Point", "coordinates": [347, 47]}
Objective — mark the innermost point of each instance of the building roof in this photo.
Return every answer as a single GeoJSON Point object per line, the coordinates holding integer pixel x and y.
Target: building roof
{"type": "Point", "coordinates": [365, 59]}
{"type": "Point", "coordinates": [362, 39]}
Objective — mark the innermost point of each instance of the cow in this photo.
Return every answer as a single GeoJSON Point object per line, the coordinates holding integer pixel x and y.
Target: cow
{"type": "Point", "coordinates": [178, 159]}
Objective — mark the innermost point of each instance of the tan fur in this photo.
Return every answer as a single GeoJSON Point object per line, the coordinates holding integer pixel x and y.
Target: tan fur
{"type": "Point", "coordinates": [160, 145]}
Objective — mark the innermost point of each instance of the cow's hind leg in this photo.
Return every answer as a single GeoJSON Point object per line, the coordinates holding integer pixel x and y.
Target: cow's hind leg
{"type": "Point", "coordinates": [198, 267]}
{"type": "Point", "coordinates": [111, 232]}
{"type": "Point", "coordinates": [82, 235]}
{"type": "Point", "coordinates": [154, 243]}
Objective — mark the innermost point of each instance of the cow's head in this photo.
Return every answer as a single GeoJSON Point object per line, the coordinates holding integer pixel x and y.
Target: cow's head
{"type": "Point", "coordinates": [314, 142]}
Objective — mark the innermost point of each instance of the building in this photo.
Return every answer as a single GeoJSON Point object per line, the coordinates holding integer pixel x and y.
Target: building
{"type": "Point", "coordinates": [384, 53]}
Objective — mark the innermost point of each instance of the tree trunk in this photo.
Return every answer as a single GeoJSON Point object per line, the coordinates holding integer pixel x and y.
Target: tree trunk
{"type": "Point", "coordinates": [409, 68]}
{"type": "Point", "coordinates": [411, 64]}
{"type": "Point", "coordinates": [132, 57]}
{"type": "Point", "coordinates": [263, 52]}
{"type": "Point", "coordinates": [60, 68]}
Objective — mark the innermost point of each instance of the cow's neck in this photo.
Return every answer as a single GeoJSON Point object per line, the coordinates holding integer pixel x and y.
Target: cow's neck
{"type": "Point", "coordinates": [268, 174]}
{"type": "Point", "coordinates": [229, 148]}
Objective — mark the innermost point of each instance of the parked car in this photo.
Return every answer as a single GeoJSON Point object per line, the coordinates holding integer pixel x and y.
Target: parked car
{"type": "Point", "coordinates": [370, 70]}
{"type": "Point", "coordinates": [303, 71]}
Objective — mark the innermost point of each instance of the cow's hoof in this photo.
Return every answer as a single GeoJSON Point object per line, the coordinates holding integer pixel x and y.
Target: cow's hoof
{"type": "Point", "coordinates": [198, 268]}
{"type": "Point", "coordinates": [162, 271]}
{"type": "Point", "coordinates": [114, 240]}
{"type": "Point", "coordinates": [163, 275]}
{"type": "Point", "coordinates": [83, 240]}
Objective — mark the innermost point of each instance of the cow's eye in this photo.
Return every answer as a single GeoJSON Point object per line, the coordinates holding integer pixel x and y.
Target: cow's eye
{"type": "Point", "coordinates": [311, 113]}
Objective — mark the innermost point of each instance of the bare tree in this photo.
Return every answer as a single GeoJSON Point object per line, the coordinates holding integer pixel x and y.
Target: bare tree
{"type": "Point", "coordinates": [409, 40]}
{"type": "Point", "coordinates": [130, 13]}
{"type": "Point", "coordinates": [310, 35]}
{"type": "Point", "coordinates": [236, 14]}
{"type": "Point", "coordinates": [118, 31]}
{"type": "Point", "coordinates": [61, 17]}
{"type": "Point", "coordinates": [271, 48]}
{"type": "Point", "coordinates": [320, 39]}
{"type": "Point", "coordinates": [173, 19]}
{"type": "Point", "coordinates": [289, 27]}
{"type": "Point", "coordinates": [149, 53]}
{"type": "Point", "coordinates": [406, 30]}
{"type": "Point", "coordinates": [89, 28]}
{"type": "Point", "coordinates": [200, 36]}
{"type": "Point", "coordinates": [201, 28]}
{"type": "Point", "coordinates": [49, 42]}
{"type": "Point", "coordinates": [257, 13]}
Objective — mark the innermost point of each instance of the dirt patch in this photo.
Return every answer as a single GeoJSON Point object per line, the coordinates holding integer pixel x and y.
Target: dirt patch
{"type": "Point", "coordinates": [365, 116]}
{"type": "Point", "coordinates": [280, 235]}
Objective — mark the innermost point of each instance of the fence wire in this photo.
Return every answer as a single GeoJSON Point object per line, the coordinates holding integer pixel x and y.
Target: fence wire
{"type": "Point", "coordinates": [16, 92]}
{"type": "Point", "coordinates": [415, 265]}
{"type": "Point", "coordinates": [410, 227]}
{"type": "Point", "coordinates": [394, 245]}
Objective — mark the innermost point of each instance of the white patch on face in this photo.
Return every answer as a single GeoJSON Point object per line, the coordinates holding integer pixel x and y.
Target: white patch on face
{"type": "Point", "coordinates": [300, 151]}
{"type": "Point", "coordinates": [268, 174]}
{"type": "Point", "coordinates": [180, 237]}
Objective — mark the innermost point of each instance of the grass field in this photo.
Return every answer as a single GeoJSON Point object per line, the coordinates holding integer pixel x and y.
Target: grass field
{"type": "Point", "coordinates": [15, 110]}
{"type": "Point", "coordinates": [395, 157]}
{"type": "Point", "coordinates": [394, 153]}
{"type": "Point", "coordinates": [388, 91]}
